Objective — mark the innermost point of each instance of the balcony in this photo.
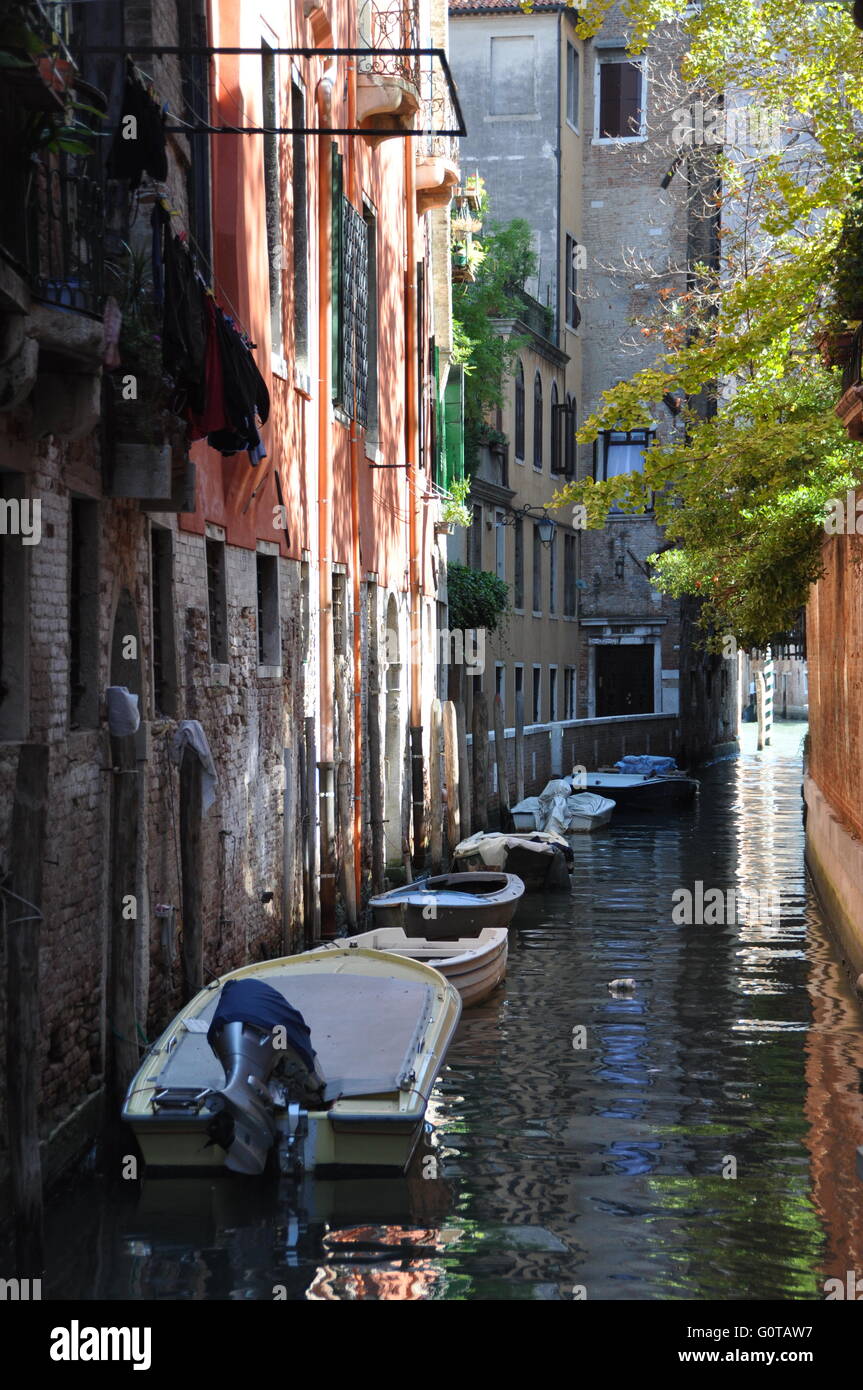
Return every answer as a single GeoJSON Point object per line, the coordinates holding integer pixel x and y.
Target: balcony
{"type": "Point", "coordinates": [437, 167]}
{"type": "Point", "coordinates": [51, 235]}
{"type": "Point", "coordinates": [388, 83]}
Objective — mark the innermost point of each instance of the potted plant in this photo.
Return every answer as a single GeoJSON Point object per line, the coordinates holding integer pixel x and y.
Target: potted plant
{"type": "Point", "coordinates": [454, 511]}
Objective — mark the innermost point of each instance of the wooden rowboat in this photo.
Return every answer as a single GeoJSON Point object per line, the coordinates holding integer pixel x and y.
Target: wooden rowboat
{"type": "Point", "coordinates": [450, 906]}
{"type": "Point", "coordinates": [379, 1025]}
{"type": "Point", "coordinates": [475, 965]}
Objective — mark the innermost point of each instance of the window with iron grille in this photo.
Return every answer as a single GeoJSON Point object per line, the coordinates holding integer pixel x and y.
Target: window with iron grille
{"type": "Point", "coordinates": [217, 599]}
{"type": "Point", "coordinates": [195, 79]}
{"type": "Point", "coordinates": [339, 628]}
{"type": "Point", "coordinates": [272, 194]}
{"type": "Point", "coordinates": [269, 627]}
{"type": "Point", "coordinates": [350, 302]}
{"type": "Point", "coordinates": [573, 313]}
{"type": "Point", "coordinates": [300, 222]}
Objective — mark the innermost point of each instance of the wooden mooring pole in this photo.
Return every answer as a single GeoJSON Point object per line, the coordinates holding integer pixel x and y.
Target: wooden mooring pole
{"type": "Point", "coordinates": [463, 772]}
{"type": "Point", "coordinates": [191, 866]}
{"type": "Point", "coordinates": [23, 916]}
{"type": "Point", "coordinates": [500, 760]}
{"type": "Point", "coordinates": [519, 747]}
{"type": "Point", "coordinates": [480, 762]}
{"type": "Point", "coordinates": [435, 791]}
{"type": "Point", "coordinates": [451, 777]}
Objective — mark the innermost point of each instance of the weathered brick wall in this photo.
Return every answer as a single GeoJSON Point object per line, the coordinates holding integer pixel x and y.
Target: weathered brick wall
{"type": "Point", "coordinates": [834, 640]}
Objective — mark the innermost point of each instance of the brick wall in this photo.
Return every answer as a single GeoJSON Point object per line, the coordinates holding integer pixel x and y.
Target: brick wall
{"type": "Point", "coordinates": [834, 640]}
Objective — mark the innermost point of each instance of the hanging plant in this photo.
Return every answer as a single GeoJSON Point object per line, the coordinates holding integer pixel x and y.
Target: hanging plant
{"type": "Point", "coordinates": [454, 512]}
{"type": "Point", "coordinates": [476, 598]}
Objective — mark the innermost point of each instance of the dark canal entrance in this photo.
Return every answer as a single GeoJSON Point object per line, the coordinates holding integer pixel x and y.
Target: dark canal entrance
{"type": "Point", "coordinates": [556, 1166]}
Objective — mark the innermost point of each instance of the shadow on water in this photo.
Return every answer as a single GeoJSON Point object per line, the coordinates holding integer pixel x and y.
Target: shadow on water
{"type": "Point", "coordinates": [693, 1138]}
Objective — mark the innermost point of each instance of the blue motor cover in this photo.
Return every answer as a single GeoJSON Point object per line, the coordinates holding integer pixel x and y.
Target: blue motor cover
{"type": "Point", "coordinates": [257, 1003]}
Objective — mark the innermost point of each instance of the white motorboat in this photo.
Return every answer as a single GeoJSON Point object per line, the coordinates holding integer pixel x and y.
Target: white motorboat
{"type": "Point", "coordinates": [587, 811]}
{"type": "Point", "coordinates": [449, 906]}
{"type": "Point", "coordinates": [326, 1062]}
{"type": "Point", "coordinates": [475, 965]}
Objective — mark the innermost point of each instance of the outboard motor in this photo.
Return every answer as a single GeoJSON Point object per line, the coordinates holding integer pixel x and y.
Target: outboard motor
{"type": "Point", "coordinates": [258, 1037]}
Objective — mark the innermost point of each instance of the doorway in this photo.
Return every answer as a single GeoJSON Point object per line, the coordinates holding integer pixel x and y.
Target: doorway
{"type": "Point", "coordinates": [624, 680]}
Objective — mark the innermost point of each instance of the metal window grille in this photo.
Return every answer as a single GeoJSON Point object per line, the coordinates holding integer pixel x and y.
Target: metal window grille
{"type": "Point", "coordinates": [355, 311]}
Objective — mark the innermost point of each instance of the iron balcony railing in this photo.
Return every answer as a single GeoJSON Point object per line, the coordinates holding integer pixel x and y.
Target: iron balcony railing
{"type": "Point", "coordinates": [385, 25]}
{"type": "Point", "coordinates": [65, 232]}
{"type": "Point", "coordinates": [853, 369]}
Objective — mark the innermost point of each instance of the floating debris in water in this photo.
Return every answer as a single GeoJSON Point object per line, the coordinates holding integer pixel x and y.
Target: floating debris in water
{"type": "Point", "coordinates": [621, 986]}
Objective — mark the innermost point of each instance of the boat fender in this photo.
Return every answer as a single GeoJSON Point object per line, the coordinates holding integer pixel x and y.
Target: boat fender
{"type": "Point", "coordinates": [623, 986]}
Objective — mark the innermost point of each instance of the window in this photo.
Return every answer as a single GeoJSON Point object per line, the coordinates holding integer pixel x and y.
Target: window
{"type": "Point", "coordinates": [194, 77]}
{"type": "Point", "coordinates": [371, 421]}
{"type": "Point", "coordinates": [537, 695]}
{"type": "Point", "coordinates": [537, 569]}
{"type": "Point", "coordinates": [570, 425]}
{"type": "Point", "coordinates": [518, 577]}
{"type": "Point", "coordinates": [621, 451]}
{"type": "Point", "coordinates": [217, 599]}
{"type": "Point", "coordinates": [519, 674]}
{"type": "Point", "coordinates": [569, 589]}
{"type": "Point", "coordinates": [350, 300]}
{"type": "Point", "coordinates": [620, 98]}
{"type": "Point", "coordinates": [552, 693]}
{"type": "Point", "coordinates": [83, 613]}
{"type": "Point", "coordinates": [556, 462]}
{"type": "Point", "coordinates": [537, 421]}
{"type": "Point", "coordinates": [519, 412]}
{"type": "Point", "coordinates": [272, 195]}
{"type": "Point", "coordinates": [569, 692]}
{"type": "Point", "coordinates": [512, 87]}
{"type": "Point", "coordinates": [269, 628]}
{"type": "Point", "coordinates": [552, 575]}
{"type": "Point", "coordinates": [573, 256]}
{"type": "Point", "coordinates": [300, 220]}
{"type": "Point", "coordinates": [162, 622]}
{"type": "Point", "coordinates": [474, 537]}
{"type": "Point", "coordinates": [500, 682]}
{"type": "Point", "coordinates": [499, 546]}
{"type": "Point", "coordinates": [572, 85]}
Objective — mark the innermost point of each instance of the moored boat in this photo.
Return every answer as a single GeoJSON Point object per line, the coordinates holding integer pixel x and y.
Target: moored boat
{"type": "Point", "coordinates": [586, 812]}
{"type": "Point", "coordinates": [475, 965]}
{"type": "Point", "coordinates": [641, 791]}
{"type": "Point", "coordinates": [344, 1088]}
{"type": "Point", "coordinates": [449, 906]}
{"type": "Point", "coordinates": [539, 859]}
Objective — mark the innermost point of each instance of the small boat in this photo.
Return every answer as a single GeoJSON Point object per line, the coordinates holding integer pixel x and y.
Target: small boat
{"type": "Point", "coordinates": [539, 859]}
{"type": "Point", "coordinates": [322, 1061]}
{"type": "Point", "coordinates": [637, 791]}
{"type": "Point", "coordinates": [587, 811]}
{"type": "Point", "coordinates": [475, 965]}
{"type": "Point", "coordinates": [449, 906]}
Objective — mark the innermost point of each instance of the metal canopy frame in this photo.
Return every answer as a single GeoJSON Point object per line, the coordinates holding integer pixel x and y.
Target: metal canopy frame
{"type": "Point", "coordinates": [203, 51]}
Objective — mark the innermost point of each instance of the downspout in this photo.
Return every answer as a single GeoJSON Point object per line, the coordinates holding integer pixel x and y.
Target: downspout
{"type": "Point", "coordinates": [353, 908]}
{"type": "Point", "coordinates": [326, 781]}
{"type": "Point", "coordinates": [412, 474]}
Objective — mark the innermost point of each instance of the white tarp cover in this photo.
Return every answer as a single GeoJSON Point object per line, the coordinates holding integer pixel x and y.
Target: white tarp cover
{"type": "Point", "coordinates": [364, 1029]}
{"type": "Point", "coordinates": [493, 849]}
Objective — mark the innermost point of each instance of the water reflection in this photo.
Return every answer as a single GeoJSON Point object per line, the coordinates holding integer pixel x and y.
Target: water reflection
{"type": "Point", "coordinates": [609, 1165]}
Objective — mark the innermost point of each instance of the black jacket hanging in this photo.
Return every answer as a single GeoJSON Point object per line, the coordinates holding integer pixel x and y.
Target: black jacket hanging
{"type": "Point", "coordinates": [142, 120]}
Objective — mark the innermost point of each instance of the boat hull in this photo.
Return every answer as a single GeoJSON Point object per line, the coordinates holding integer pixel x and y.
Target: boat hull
{"type": "Point", "coordinates": [635, 793]}
{"type": "Point", "coordinates": [474, 966]}
{"type": "Point", "coordinates": [541, 861]}
{"type": "Point", "coordinates": [450, 906]}
{"type": "Point", "coordinates": [372, 1126]}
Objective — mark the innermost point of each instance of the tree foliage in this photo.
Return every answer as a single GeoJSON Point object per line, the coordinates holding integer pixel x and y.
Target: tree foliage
{"type": "Point", "coordinates": [744, 493]}
{"type": "Point", "coordinates": [486, 353]}
{"type": "Point", "coordinates": [476, 598]}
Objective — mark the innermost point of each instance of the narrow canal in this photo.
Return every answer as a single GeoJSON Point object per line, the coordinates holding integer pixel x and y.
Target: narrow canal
{"type": "Point", "coordinates": [695, 1141]}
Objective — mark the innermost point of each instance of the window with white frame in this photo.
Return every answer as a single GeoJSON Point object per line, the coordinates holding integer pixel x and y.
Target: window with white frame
{"type": "Point", "coordinates": [620, 104]}
{"type": "Point", "coordinates": [572, 85]}
{"type": "Point", "coordinates": [621, 451]}
{"type": "Point", "coordinates": [569, 692]}
{"type": "Point", "coordinates": [573, 257]}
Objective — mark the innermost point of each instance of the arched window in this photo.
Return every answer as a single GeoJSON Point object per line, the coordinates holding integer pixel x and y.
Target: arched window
{"type": "Point", "coordinates": [556, 461]}
{"type": "Point", "coordinates": [519, 411]}
{"type": "Point", "coordinates": [570, 425]}
{"type": "Point", "coordinates": [537, 421]}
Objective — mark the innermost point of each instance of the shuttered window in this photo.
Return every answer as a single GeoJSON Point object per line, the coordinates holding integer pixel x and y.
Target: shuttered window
{"type": "Point", "coordinates": [621, 85]}
{"type": "Point", "coordinates": [350, 302]}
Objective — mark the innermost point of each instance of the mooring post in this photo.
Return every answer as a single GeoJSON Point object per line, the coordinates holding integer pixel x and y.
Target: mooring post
{"type": "Point", "coordinates": [191, 866]}
{"type": "Point", "coordinates": [480, 762]}
{"type": "Point", "coordinates": [500, 759]}
{"type": "Point", "coordinates": [451, 776]}
{"type": "Point", "coordinates": [435, 791]}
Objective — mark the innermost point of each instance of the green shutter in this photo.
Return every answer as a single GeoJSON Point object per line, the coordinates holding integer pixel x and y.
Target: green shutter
{"type": "Point", "coordinates": [336, 307]}
{"type": "Point", "coordinates": [454, 425]}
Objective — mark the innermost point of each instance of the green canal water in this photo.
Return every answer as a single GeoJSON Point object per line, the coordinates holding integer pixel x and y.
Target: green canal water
{"type": "Point", "coordinates": [693, 1138]}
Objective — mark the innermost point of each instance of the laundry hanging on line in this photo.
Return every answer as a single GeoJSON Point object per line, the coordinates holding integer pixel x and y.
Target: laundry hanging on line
{"type": "Point", "coordinates": [139, 146]}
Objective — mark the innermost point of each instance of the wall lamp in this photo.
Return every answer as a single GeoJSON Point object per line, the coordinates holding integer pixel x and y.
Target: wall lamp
{"type": "Point", "coordinates": [545, 524]}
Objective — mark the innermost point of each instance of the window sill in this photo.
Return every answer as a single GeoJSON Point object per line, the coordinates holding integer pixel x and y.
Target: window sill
{"type": "Point", "coordinates": [519, 461]}
{"type": "Point", "coordinates": [618, 139]}
{"type": "Point", "coordinates": [513, 116]}
{"type": "Point", "coordinates": [373, 453]}
{"type": "Point", "coordinates": [574, 128]}
{"type": "Point", "coordinates": [270, 672]}
{"type": "Point", "coordinates": [278, 366]}
{"type": "Point", "coordinates": [303, 383]}
{"type": "Point", "coordinates": [518, 612]}
{"type": "Point", "coordinates": [341, 416]}
{"type": "Point", "coordinates": [536, 613]}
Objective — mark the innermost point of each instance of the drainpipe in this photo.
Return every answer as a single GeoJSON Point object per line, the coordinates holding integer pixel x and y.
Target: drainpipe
{"type": "Point", "coordinates": [411, 461]}
{"type": "Point", "coordinates": [326, 779]}
{"type": "Point", "coordinates": [353, 907]}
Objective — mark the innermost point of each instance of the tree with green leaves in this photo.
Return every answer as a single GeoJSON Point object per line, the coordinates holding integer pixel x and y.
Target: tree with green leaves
{"type": "Point", "coordinates": [743, 486]}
